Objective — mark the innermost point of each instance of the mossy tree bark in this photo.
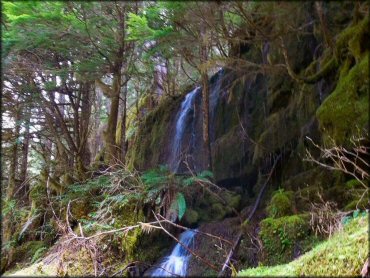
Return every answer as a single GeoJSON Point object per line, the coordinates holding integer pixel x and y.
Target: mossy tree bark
{"type": "Point", "coordinates": [123, 146]}
{"type": "Point", "coordinates": [110, 132]}
{"type": "Point", "coordinates": [205, 96]}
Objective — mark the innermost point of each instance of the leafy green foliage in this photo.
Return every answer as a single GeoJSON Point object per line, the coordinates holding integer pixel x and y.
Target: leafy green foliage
{"type": "Point", "coordinates": [203, 176]}
{"type": "Point", "coordinates": [38, 254]}
{"type": "Point", "coordinates": [178, 205]}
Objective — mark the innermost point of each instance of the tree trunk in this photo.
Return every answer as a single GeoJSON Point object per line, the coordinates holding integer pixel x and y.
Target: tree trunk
{"type": "Point", "coordinates": [110, 133]}
{"type": "Point", "coordinates": [205, 96]}
{"type": "Point", "coordinates": [8, 219]}
{"type": "Point", "coordinates": [14, 157]}
{"type": "Point", "coordinates": [123, 125]}
{"type": "Point", "coordinates": [84, 149]}
{"type": "Point", "coordinates": [25, 150]}
{"type": "Point", "coordinates": [205, 111]}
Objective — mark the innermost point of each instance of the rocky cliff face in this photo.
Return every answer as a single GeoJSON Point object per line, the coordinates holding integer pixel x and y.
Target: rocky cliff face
{"type": "Point", "coordinates": [256, 116]}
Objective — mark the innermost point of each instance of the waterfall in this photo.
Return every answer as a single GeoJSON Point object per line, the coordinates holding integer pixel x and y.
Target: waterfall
{"type": "Point", "coordinates": [177, 262]}
{"type": "Point", "coordinates": [181, 125]}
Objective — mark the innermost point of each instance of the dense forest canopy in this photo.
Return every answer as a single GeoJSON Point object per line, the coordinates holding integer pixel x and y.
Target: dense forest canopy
{"type": "Point", "coordinates": [124, 122]}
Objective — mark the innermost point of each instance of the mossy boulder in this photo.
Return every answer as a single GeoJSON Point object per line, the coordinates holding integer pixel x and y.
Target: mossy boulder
{"type": "Point", "coordinates": [150, 247]}
{"type": "Point", "coordinates": [281, 204]}
{"type": "Point", "coordinates": [212, 208]}
{"type": "Point", "coordinates": [217, 211]}
{"type": "Point", "coordinates": [284, 238]}
{"type": "Point", "coordinates": [232, 200]}
{"type": "Point", "coordinates": [191, 217]}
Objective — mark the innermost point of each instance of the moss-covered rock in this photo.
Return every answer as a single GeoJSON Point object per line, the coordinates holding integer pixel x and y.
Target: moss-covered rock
{"type": "Point", "coordinates": [150, 247]}
{"type": "Point", "coordinates": [345, 112]}
{"type": "Point", "coordinates": [147, 150]}
{"type": "Point", "coordinates": [281, 204]}
{"type": "Point", "coordinates": [191, 217]}
{"type": "Point", "coordinates": [282, 237]}
{"type": "Point", "coordinates": [232, 200]}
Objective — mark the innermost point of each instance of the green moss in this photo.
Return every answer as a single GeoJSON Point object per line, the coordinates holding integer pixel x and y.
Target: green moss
{"type": "Point", "coordinates": [232, 200]}
{"type": "Point", "coordinates": [217, 211]}
{"type": "Point", "coordinates": [191, 217]}
{"type": "Point", "coordinates": [36, 270]}
{"type": "Point", "coordinates": [345, 111]}
{"type": "Point", "coordinates": [358, 203]}
{"type": "Point", "coordinates": [281, 204]}
{"type": "Point", "coordinates": [26, 251]}
{"type": "Point", "coordinates": [227, 151]}
{"type": "Point", "coordinates": [80, 208]}
{"type": "Point", "coordinates": [78, 263]}
{"type": "Point", "coordinates": [354, 38]}
{"type": "Point", "coordinates": [38, 194]}
{"type": "Point", "coordinates": [352, 184]}
{"type": "Point", "coordinates": [149, 248]}
{"type": "Point", "coordinates": [280, 236]}
{"type": "Point", "coordinates": [146, 150]}
{"type": "Point", "coordinates": [342, 255]}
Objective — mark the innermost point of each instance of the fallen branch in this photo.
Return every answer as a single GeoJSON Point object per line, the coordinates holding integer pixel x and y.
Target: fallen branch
{"type": "Point", "coordinates": [198, 232]}
{"type": "Point", "coordinates": [240, 234]}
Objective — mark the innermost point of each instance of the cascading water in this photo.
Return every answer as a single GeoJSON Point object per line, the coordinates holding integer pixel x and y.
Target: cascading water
{"type": "Point", "coordinates": [177, 262]}
{"type": "Point", "coordinates": [181, 125]}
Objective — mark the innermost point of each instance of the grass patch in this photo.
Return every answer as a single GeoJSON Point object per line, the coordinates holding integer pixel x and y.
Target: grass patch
{"type": "Point", "coordinates": [342, 255]}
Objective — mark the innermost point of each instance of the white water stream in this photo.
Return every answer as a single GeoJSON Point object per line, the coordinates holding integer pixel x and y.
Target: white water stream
{"type": "Point", "coordinates": [181, 124]}
{"type": "Point", "coordinates": [176, 264]}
